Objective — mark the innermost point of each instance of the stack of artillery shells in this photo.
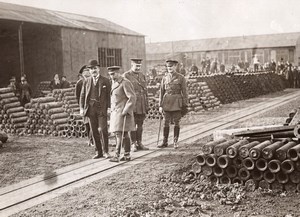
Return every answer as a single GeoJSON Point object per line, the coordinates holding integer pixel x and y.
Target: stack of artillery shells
{"type": "Point", "coordinates": [153, 112]}
{"type": "Point", "coordinates": [200, 97]}
{"type": "Point", "coordinates": [43, 89]}
{"type": "Point", "coordinates": [269, 164]}
{"type": "Point", "coordinates": [67, 96]}
{"type": "Point", "coordinates": [75, 128]}
{"type": "Point", "coordinates": [12, 114]}
{"type": "Point", "coordinates": [46, 116]}
{"type": "Point", "coordinates": [234, 87]}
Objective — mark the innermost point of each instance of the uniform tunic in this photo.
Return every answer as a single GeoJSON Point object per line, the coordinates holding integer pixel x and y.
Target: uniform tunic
{"type": "Point", "coordinates": [139, 83]}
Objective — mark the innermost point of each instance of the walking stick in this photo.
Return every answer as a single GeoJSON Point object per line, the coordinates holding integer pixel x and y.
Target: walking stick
{"type": "Point", "coordinates": [123, 131]}
{"type": "Point", "coordinates": [160, 119]}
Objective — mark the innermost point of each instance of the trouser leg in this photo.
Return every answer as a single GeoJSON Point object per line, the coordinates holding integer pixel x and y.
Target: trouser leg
{"type": "Point", "coordinates": [93, 120]}
{"type": "Point", "coordinates": [102, 120]}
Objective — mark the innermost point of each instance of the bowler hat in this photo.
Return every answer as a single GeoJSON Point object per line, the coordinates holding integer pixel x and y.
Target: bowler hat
{"type": "Point", "coordinates": [92, 63]}
{"type": "Point", "coordinates": [113, 68]}
{"type": "Point", "coordinates": [82, 68]}
{"type": "Point", "coordinates": [171, 62]}
{"type": "Point", "coordinates": [136, 60]}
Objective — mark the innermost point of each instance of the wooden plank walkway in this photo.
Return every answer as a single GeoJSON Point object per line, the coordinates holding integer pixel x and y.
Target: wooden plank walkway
{"type": "Point", "coordinates": [31, 192]}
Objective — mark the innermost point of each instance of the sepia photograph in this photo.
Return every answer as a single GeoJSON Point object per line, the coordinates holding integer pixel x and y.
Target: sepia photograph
{"type": "Point", "coordinates": [149, 108]}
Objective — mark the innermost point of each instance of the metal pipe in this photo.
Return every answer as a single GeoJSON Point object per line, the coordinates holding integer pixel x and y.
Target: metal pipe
{"type": "Point", "coordinates": [250, 185]}
{"type": "Point", "coordinates": [209, 147]}
{"type": "Point", "coordinates": [294, 153]}
{"type": "Point", "coordinates": [231, 171]}
{"type": "Point", "coordinates": [237, 180]}
{"type": "Point", "coordinates": [256, 174]}
{"type": "Point", "coordinates": [211, 160]}
{"type": "Point", "coordinates": [269, 151]}
{"type": "Point", "coordinates": [238, 162]}
{"type": "Point", "coordinates": [220, 148]}
{"type": "Point", "coordinates": [295, 177]}
{"type": "Point", "coordinates": [244, 174]}
{"type": "Point", "coordinates": [276, 186]}
{"type": "Point", "coordinates": [223, 161]}
{"type": "Point", "coordinates": [218, 171]}
{"type": "Point", "coordinates": [287, 166]}
{"type": "Point", "coordinates": [225, 180]}
{"type": "Point", "coordinates": [290, 187]}
{"type": "Point", "coordinates": [281, 153]}
{"type": "Point", "coordinates": [196, 168]}
{"type": "Point", "coordinates": [264, 184]}
{"type": "Point", "coordinates": [244, 150]}
{"type": "Point", "coordinates": [248, 163]}
{"type": "Point", "coordinates": [269, 176]}
{"type": "Point", "coordinates": [255, 152]}
{"type": "Point", "coordinates": [282, 177]}
{"type": "Point", "coordinates": [200, 159]}
{"type": "Point", "coordinates": [261, 164]}
{"type": "Point", "coordinates": [207, 170]}
{"type": "Point", "coordinates": [274, 166]}
{"type": "Point", "coordinates": [232, 151]}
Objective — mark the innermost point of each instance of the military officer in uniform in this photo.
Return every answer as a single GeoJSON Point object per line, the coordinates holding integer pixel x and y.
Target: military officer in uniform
{"type": "Point", "coordinates": [172, 101]}
{"type": "Point", "coordinates": [138, 80]}
{"type": "Point", "coordinates": [121, 115]}
{"type": "Point", "coordinates": [94, 103]}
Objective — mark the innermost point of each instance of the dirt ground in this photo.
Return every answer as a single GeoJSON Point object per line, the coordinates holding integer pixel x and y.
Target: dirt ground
{"type": "Point", "coordinates": [157, 187]}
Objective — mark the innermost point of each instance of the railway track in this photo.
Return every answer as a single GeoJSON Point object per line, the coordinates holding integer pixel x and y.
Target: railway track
{"type": "Point", "coordinates": [28, 193]}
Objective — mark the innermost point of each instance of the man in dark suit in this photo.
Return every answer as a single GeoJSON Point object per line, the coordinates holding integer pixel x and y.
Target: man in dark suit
{"type": "Point", "coordinates": [94, 103]}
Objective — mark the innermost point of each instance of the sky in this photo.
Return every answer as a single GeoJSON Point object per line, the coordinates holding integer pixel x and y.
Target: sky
{"type": "Point", "coordinates": [173, 20]}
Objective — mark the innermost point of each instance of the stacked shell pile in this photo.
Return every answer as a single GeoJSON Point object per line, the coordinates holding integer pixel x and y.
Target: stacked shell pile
{"type": "Point", "coordinates": [12, 117]}
{"type": "Point", "coordinates": [267, 164]}
{"type": "Point", "coordinates": [43, 89]}
{"type": "Point", "coordinates": [67, 97]}
{"type": "Point", "coordinates": [46, 116]}
{"type": "Point", "coordinates": [233, 87]}
{"type": "Point", "coordinates": [201, 97]}
{"type": "Point", "coordinates": [75, 128]}
{"type": "Point", "coordinates": [153, 102]}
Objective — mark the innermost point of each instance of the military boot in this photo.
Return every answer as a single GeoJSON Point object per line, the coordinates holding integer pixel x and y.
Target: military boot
{"type": "Point", "coordinates": [140, 146]}
{"type": "Point", "coordinates": [133, 141]}
{"type": "Point", "coordinates": [176, 136]}
{"type": "Point", "coordinates": [165, 140]}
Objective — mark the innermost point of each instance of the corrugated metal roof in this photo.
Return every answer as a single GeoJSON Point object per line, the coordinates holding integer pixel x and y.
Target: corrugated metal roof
{"type": "Point", "coordinates": [43, 16]}
{"type": "Point", "coordinates": [228, 43]}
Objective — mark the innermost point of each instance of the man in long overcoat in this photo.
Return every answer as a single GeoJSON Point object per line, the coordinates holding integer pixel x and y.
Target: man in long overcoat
{"type": "Point", "coordinates": [138, 80]}
{"type": "Point", "coordinates": [123, 101]}
{"type": "Point", "coordinates": [94, 103]}
{"type": "Point", "coordinates": [172, 101]}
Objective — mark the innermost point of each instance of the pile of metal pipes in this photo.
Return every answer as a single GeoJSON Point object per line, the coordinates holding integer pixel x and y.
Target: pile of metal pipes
{"type": "Point", "coordinates": [67, 96]}
{"type": "Point", "coordinates": [235, 87]}
{"type": "Point", "coordinates": [267, 164]}
{"type": "Point", "coordinates": [201, 97]}
{"type": "Point", "coordinates": [45, 116]}
{"type": "Point", "coordinates": [12, 114]}
{"type": "Point", "coordinates": [153, 112]}
{"type": "Point", "coordinates": [75, 128]}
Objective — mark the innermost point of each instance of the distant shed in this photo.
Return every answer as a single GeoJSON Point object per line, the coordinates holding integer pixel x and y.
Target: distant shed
{"type": "Point", "coordinates": [228, 50]}
{"type": "Point", "coordinates": [41, 43]}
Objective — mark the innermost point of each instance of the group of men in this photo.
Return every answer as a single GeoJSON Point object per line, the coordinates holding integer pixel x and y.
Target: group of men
{"type": "Point", "coordinates": [125, 97]}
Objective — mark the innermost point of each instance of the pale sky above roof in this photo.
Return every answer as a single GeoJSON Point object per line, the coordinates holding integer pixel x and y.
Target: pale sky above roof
{"type": "Point", "coordinates": [171, 20]}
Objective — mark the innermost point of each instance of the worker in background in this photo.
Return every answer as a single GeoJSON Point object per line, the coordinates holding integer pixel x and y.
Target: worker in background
{"type": "Point", "coordinates": [141, 107]}
{"type": "Point", "coordinates": [64, 82]}
{"type": "Point", "coordinates": [172, 101]}
{"type": "Point", "coordinates": [122, 112]}
{"type": "Point", "coordinates": [25, 91]}
{"type": "Point", "coordinates": [94, 104]}
{"type": "Point", "coordinates": [55, 83]}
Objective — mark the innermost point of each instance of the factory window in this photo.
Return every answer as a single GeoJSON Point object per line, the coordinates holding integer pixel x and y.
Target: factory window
{"type": "Point", "coordinates": [109, 57]}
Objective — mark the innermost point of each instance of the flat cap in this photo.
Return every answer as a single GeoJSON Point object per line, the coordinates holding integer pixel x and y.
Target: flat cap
{"type": "Point", "coordinates": [113, 68]}
{"type": "Point", "coordinates": [82, 69]}
{"type": "Point", "coordinates": [136, 60]}
{"type": "Point", "coordinates": [171, 62]}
